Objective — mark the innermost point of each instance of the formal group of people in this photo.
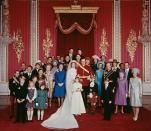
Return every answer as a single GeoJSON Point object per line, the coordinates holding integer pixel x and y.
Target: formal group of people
{"type": "Point", "coordinates": [78, 84]}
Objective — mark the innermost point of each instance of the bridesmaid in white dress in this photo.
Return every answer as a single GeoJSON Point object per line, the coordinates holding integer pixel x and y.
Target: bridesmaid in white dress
{"type": "Point", "coordinates": [77, 105]}
{"type": "Point", "coordinates": [135, 93]}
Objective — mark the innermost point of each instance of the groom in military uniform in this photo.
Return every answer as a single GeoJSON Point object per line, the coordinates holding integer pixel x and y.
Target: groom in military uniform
{"type": "Point", "coordinates": [84, 72]}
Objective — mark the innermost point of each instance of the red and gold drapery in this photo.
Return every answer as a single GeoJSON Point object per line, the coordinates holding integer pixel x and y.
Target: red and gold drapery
{"type": "Point", "coordinates": [75, 31]}
{"type": "Point", "coordinates": [75, 26]}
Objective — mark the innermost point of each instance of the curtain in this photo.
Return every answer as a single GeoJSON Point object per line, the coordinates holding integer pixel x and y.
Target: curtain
{"type": "Point", "coordinates": [75, 39]}
{"type": "Point", "coordinates": [131, 13]}
{"type": "Point", "coordinates": [75, 25]}
{"type": "Point", "coordinates": [103, 20]}
{"type": "Point", "coordinates": [19, 19]}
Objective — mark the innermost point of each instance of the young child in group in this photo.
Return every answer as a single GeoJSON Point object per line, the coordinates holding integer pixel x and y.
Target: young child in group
{"type": "Point", "coordinates": [107, 98]}
{"type": "Point", "coordinates": [93, 85]}
{"type": "Point", "coordinates": [21, 93]}
{"type": "Point", "coordinates": [41, 101]}
{"type": "Point", "coordinates": [92, 99]}
{"type": "Point", "coordinates": [135, 93]}
{"type": "Point", "coordinates": [92, 96]}
{"type": "Point", "coordinates": [77, 104]}
{"type": "Point", "coordinates": [31, 96]}
{"type": "Point", "coordinates": [121, 92]}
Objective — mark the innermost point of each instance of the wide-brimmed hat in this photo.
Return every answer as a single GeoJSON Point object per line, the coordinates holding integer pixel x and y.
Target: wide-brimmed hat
{"type": "Point", "coordinates": [96, 57]}
{"type": "Point", "coordinates": [135, 71]}
{"type": "Point", "coordinates": [38, 61]}
{"type": "Point", "coordinates": [115, 61]}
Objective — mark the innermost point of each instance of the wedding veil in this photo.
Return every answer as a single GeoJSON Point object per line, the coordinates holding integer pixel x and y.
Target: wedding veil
{"type": "Point", "coordinates": [63, 118]}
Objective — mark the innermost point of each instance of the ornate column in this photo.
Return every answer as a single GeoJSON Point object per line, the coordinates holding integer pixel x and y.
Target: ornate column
{"type": "Point", "coordinates": [4, 40]}
{"type": "Point", "coordinates": [147, 59]}
{"type": "Point", "coordinates": [145, 38]}
{"type": "Point", "coordinates": [147, 51]}
{"type": "Point", "coordinates": [34, 29]}
{"type": "Point", "coordinates": [116, 31]}
{"type": "Point", "coordinates": [1, 14]}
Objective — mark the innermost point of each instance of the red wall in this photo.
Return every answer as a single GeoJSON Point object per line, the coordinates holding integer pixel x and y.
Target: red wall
{"type": "Point", "coordinates": [46, 20]}
{"type": "Point", "coordinates": [19, 19]}
{"type": "Point", "coordinates": [131, 13]}
{"type": "Point", "coordinates": [104, 20]}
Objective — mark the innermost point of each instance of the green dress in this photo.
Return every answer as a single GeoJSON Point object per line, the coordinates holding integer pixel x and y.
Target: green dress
{"type": "Point", "coordinates": [41, 100]}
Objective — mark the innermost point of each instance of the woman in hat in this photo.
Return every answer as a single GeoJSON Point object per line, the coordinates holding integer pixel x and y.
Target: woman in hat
{"type": "Point", "coordinates": [49, 82]}
{"type": "Point", "coordinates": [94, 65]}
{"type": "Point", "coordinates": [121, 92]}
{"type": "Point", "coordinates": [59, 88]}
{"type": "Point", "coordinates": [135, 93]}
{"type": "Point", "coordinates": [99, 80]}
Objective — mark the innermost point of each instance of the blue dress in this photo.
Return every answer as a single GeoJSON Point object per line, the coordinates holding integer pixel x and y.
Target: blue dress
{"type": "Point", "coordinates": [99, 80]}
{"type": "Point", "coordinates": [59, 91]}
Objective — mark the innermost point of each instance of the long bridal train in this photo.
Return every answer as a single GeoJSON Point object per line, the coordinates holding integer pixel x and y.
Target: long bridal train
{"type": "Point", "coordinates": [63, 118]}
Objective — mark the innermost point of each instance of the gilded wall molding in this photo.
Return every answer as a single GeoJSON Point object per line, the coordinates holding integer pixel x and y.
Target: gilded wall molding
{"type": "Point", "coordinates": [18, 44]}
{"type": "Point", "coordinates": [131, 44]}
{"type": "Point", "coordinates": [104, 44]}
{"type": "Point", "coordinates": [75, 9]}
{"type": "Point", "coordinates": [47, 43]}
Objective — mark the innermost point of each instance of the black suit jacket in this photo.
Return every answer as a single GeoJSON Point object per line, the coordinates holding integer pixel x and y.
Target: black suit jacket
{"type": "Point", "coordinates": [28, 77]}
{"type": "Point", "coordinates": [13, 86]}
{"type": "Point", "coordinates": [34, 73]}
{"type": "Point", "coordinates": [129, 75]}
{"type": "Point", "coordinates": [107, 93]}
{"type": "Point", "coordinates": [21, 92]}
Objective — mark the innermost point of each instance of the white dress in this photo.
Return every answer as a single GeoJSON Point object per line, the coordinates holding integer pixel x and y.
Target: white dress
{"type": "Point", "coordinates": [77, 105]}
{"type": "Point", "coordinates": [63, 118]}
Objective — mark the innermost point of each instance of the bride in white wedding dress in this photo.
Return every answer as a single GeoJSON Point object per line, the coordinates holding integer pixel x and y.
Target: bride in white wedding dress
{"type": "Point", "coordinates": [63, 118]}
